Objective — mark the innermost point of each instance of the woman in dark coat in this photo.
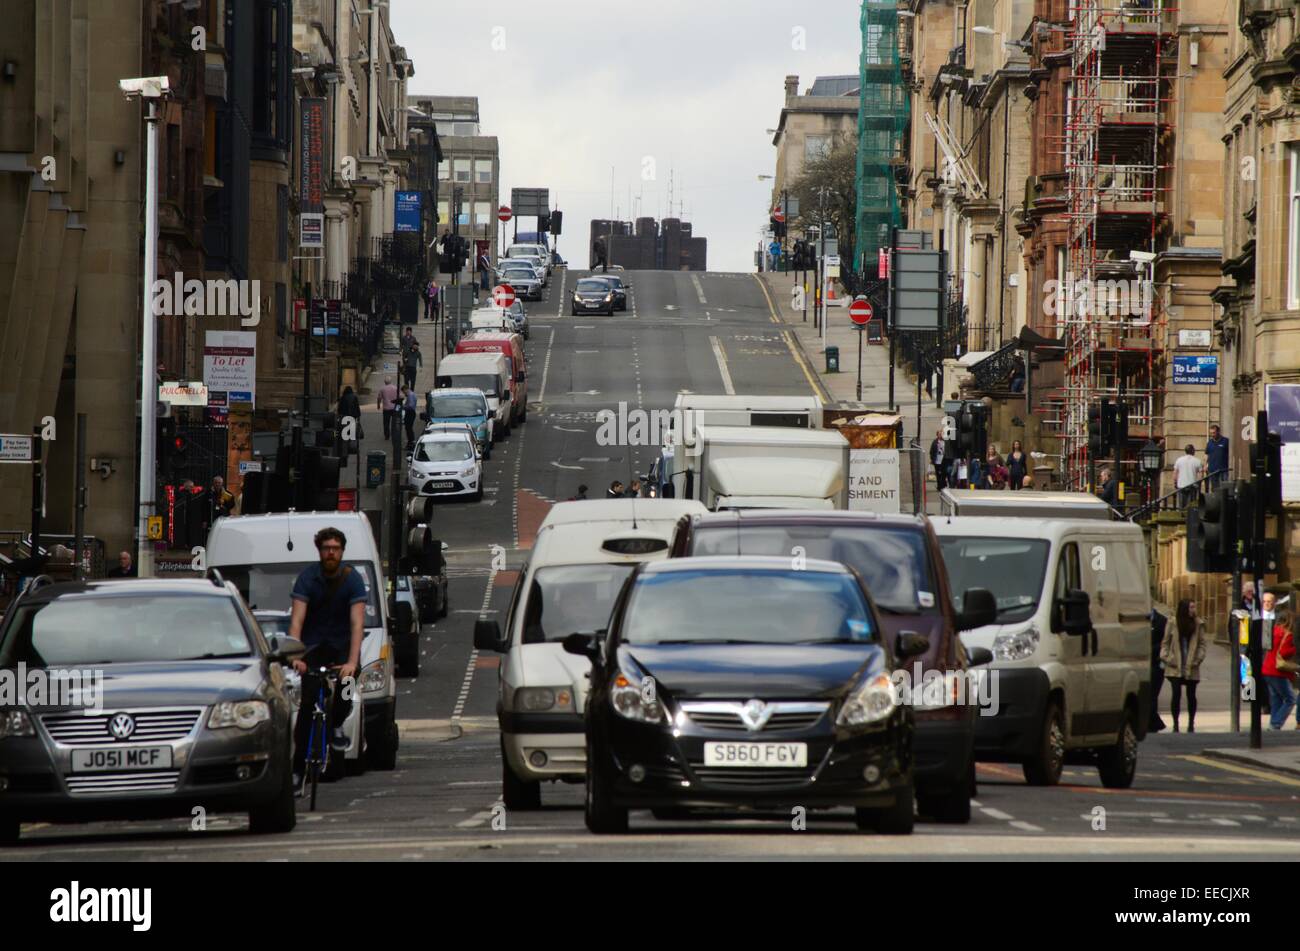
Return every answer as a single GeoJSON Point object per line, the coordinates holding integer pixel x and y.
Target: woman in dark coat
{"type": "Point", "coordinates": [1017, 465]}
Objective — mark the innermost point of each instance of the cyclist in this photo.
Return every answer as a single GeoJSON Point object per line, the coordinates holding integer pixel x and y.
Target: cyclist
{"type": "Point", "coordinates": [329, 611]}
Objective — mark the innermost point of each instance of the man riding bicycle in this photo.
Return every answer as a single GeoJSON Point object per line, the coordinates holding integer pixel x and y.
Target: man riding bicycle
{"type": "Point", "coordinates": [329, 610]}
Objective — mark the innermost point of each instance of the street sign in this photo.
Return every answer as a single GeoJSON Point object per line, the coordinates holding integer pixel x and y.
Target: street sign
{"type": "Point", "coordinates": [1193, 338]}
{"type": "Point", "coordinates": [832, 260]}
{"type": "Point", "coordinates": [917, 287]}
{"type": "Point", "coordinates": [860, 311]}
{"type": "Point", "coordinates": [245, 466]}
{"type": "Point", "coordinates": [778, 216]}
{"type": "Point", "coordinates": [504, 213]}
{"type": "Point", "coordinates": [503, 295]}
{"type": "Point", "coordinates": [154, 525]}
{"type": "Point", "coordinates": [1197, 370]}
{"type": "Point", "coordinates": [195, 394]}
{"type": "Point", "coordinates": [530, 202]}
{"type": "Point", "coordinates": [15, 448]}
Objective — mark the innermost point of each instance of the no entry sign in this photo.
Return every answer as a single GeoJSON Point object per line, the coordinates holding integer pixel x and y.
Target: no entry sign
{"type": "Point", "coordinates": [504, 213]}
{"type": "Point", "coordinates": [503, 295]}
{"type": "Point", "coordinates": [860, 311]}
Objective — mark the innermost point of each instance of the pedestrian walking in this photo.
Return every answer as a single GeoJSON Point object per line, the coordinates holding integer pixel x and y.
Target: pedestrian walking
{"type": "Point", "coordinates": [409, 407]}
{"type": "Point", "coordinates": [432, 299]}
{"type": "Point", "coordinates": [960, 470]}
{"type": "Point", "coordinates": [974, 472]}
{"type": "Point", "coordinates": [1250, 603]}
{"type": "Point", "coordinates": [995, 472]}
{"type": "Point", "coordinates": [615, 490]}
{"type": "Point", "coordinates": [1159, 623]}
{"type": "Point", "coordinates": [1109, 488]}
{"type": "Point", "coordinates": [223, 502]}
{"type": "Point", "coordinates": [1279, 671]}
{"type": "Point", "coordinates": [1017, 465]}
{"type": "Point", "coordinates": [1216, 456]}
{"type": "Point", "coordinates": [941, 458]}
{"type": "Point", "coordinates": [634, 489]}
{"type": "Point", "coordinates": [1182, 652]}
{"type": "Point", "coordinates": [387, 402]}
{"type": "Point", "coordinates": [408, 340]}
{"type": "Point", "coordinates": [411, 364]}
{"type": "Point", "coordinates": [484, 270]}
{"type": "Point", "coordinates": [1187, 473]}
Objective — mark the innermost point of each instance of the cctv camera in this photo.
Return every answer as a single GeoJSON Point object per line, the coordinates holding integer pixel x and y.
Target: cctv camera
{"type": "Point", "coordinates": [1143, 256]}
{"type": "Point", "coordinates": [148, 87]}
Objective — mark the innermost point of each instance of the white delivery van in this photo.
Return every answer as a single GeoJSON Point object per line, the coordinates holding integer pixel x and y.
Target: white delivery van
{"type": "Point", "coordinates": [263, 554]}
{"type": "Point", "coordinates": [583, 554]}
{"type": "Point", "coordinates": [488, 372]}
{"type": "Point", "coordinates": [1023, 503]}
{"type": "Point", "coordinates": [739, 467]}
{"type": "Point", "coordinates": [1072, 643]}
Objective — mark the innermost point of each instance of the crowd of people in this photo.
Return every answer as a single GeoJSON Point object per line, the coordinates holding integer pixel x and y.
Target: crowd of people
{"type": "Point", "coordinates": [954, 469]}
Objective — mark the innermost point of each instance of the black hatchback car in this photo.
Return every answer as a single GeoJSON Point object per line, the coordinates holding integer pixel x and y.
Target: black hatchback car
{"type": "Point", "coordinates": [746, 682]}
{"type": "Point", "coordinates": [592, 295]}
{"type": "Point", "coordinates": [181, 703]}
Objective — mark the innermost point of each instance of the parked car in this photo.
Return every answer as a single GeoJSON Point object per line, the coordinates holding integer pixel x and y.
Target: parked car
{"type": "Point", "coordinates": [446, 464]}
{"type": "Point", "coordinates": [746, 683]}
{"type": "Point", "coordinates": [592, 295]}
{"type": "Point", "coordinates": [461, 405]}
{"type": "Point", "coordinates": [899, 560]}
{"type": "Point", "coordinates": [193, 706]}
{"type": "Point", "coordinates": [522, 279]}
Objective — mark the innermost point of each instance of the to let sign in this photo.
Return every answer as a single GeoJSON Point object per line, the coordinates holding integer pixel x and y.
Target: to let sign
{"type": "Point", "coordinates": [1197, 370]}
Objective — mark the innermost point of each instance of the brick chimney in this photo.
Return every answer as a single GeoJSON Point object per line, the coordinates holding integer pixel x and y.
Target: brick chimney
{"type": "Point", "coordinates": [791, 87]}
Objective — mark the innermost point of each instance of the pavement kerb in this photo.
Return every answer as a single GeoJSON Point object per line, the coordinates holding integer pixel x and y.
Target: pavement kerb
{"type": "Point", "coordinates": [810, 364]}
{"type": "Point", "coordinates": [1247, 759]}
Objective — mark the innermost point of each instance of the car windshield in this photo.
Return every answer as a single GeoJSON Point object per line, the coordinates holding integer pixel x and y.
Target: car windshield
{"type": "Point", "coordinates": [593, 286]}
{"type": "Point", "coordinates": [88, 630]}
{"type": "Point", "coordinates": [747, 605]}
{"type": "Point", "coordinates": [566, 599]}
{"type": "Point", "coordinates": [526, 273]}
{"type": "Point", "coordinates": [487, 382]}
{"type": "Point", "coordinates": [269, 587]}
{"type": "Point", "coordinates": [892, 561]}
{"type": "Point", "coordinates": [444, 450]}
{"type": "Point", "coordinates": [457, 407]}
{"type": "Point", "coordinates": [1012, 568]}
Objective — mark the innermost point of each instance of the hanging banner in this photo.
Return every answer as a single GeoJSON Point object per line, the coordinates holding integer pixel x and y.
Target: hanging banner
{"type": "Point", "coordinates": [311, 155]}
{"type": "Point", "coordinates": [406, 212]}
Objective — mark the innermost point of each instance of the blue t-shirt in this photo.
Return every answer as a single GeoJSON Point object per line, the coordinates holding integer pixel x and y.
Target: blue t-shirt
{"type": "Point", "coordinates": [329, 604]}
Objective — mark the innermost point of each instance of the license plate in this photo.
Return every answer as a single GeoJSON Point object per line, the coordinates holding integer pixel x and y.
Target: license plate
{"type": "Point", "coordinates": [120, 758]}
{"type": "Point", "coordinates": [443, 485]}
{"type": "Point", "coordinates": [756, 754]}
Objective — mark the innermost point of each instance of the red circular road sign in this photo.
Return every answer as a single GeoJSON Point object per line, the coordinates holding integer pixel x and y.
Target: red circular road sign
{"type": "Point", "coordinates": [503, 295]}
{"type": "Point", "coordinates": [860, 311]}
{"type": "Point", "coordinates": [778, 216]}
{"type": "Point", "coordinates": [504, 213]}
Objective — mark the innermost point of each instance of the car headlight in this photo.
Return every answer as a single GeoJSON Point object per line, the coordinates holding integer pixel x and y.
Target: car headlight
{"type": "Point", "coordinates": [15, 723]}
{"type": "Point", "coordinates": [628, 701]}
{"type": "Point", "coordinates": [373, 678]}
{"type": "Point", "coordinates": [543, 699]}
{"type": "Point", "coordinates": [244, 714]}
{"type": "Point", "coordinates": [609, 297]}
{"type": "Point", "coordinates": [1019, 645]}
{"type": "Point", "coordinates": [873, 701]}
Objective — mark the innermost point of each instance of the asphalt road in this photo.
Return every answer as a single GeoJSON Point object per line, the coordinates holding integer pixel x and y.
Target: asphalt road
{"type": "Point", "coordinates": [706, 333]}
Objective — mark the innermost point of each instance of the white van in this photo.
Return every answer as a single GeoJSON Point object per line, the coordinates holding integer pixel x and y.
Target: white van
{"type": "Point", "coordinates": [1023, 503]}
{"type": "Point", "coordinates": [583, 554]}
{"type": "Point", "coordinates": [1071, 649]}
{"type": "Point", "coordinates": [488, 372]}
{"type": "Point", "coordinates": [263, 554]}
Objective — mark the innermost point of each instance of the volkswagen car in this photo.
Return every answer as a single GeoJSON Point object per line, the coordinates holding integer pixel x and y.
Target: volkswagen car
{"type": "Point", "coordinates": [192, 708]}
{"type": "Point", "coordinates": [746, 683]}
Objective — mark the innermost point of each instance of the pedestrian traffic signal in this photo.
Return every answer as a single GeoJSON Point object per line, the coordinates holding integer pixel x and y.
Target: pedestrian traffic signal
{"type": "Point", "coordinates": [1266, 467]}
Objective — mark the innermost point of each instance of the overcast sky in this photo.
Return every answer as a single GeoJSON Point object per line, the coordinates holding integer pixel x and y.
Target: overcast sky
{"type": "Point", "coordinates": [681, 86]}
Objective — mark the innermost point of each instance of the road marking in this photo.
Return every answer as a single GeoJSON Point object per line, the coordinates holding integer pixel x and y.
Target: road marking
{"type": "Point", "coordinates": [699, 288]}
{"type": "Point", "coordinates": [1243, 770]}
{"type": "Point", "coordinates": [472, 664]}
{"type": "Point", "coordinates": [817, 389]}
{"type": "Point", "coordinates": [996, 814]}
{"type": "Point", "coordinates": [546, 367]}
{"type": "Point", "coordinates": [722, 366]}
{"type": "Point", "coordinates": [571, 468]}
{"type": "Point", "coordinates": [563, 430]}
{"type": "Point", "coordinates": [1025, 826]}
{"type": "Point", "coordinates": [586, 351]}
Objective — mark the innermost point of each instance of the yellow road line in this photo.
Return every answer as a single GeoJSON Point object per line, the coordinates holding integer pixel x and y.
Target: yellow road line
{"type": "Point", "coordinates": [1244, 770]}
{"type": "Point", "coordinates": [818, 390]}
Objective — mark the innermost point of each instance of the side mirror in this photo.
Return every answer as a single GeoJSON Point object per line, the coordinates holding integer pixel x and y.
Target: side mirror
{"type": "Point", "coordinates": [487, 636]}
{"type": "Point", "coordinates": [979, 608]}
{"type": "Point", "coordinates": [1075, 612]}
{"type": "Point", "coordinates": [285, 649]}
{"type": "Point", "coordinates": [584, 645]}
{"type": "Point", "coordinates": [979, 656]}
{"type": "Point", "coordinates": [911, 644]}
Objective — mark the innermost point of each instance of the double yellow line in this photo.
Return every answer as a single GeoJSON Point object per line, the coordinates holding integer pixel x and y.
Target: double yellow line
{"type": "Point", "coordinates": [818, 389]}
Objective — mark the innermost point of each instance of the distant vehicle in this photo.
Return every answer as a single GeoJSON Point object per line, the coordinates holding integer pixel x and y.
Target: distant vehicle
{"type": "Point", "coordinates": [620, 289]}
{"type": "Point", "coordinates": [481, 371]}
{"type": "Point", "coordinates": [772, 689]}
{"type": "Point", "coordinates": [446, 464]}
{"type": "Point", "coordinates": [534, 253]}
{"type": "Point", "coordinates": [557, 261]}
{"type": "Point", "coordinates": [1024, 503]}
{"type": "Point", "coordinates": [511, 346]}
{"type": "Point", "coordinates": [462, 405]}
{"type": "Point", "coordinates": [514, 319]}
{"type": "Point", "coordinates": [592, 295]}
{"type": "Point", "coordinates": [522, 279]}
{"type": "Point", "coordinates": [742, 467]}
{"type": "Point", "coordinates": [193, 706]}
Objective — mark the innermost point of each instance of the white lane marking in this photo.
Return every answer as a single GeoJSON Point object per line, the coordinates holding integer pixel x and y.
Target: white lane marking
{"type": "Point", "coordinates": [1025, 826]}
{"type": "Point", "coordinates": [472, 663]}
{"type": "Point", "coordinates": [573, 468]}
{"type": "Point", "coordinates": [563, 430]}
{"type": "Point", "coordinates": [586, 351]}
{"type": "Point", "coordinates": [722, 366]}
{"type": "Point", "coordinates": [996, 814]}
{"type": "Point", "coordinates": [699, 288]}
{"type": "Point", "coordinates": [546, 367]}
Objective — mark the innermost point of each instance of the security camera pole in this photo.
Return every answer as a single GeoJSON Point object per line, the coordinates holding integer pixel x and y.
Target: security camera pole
{"type": "Point", "coordinates": [150, 89]}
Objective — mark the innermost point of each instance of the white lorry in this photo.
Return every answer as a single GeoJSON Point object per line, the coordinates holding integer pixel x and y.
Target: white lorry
{"type": "Point", "coordinates": [740, 467]}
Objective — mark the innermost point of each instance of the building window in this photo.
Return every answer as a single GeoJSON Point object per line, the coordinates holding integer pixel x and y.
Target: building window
{"type": "Point", "coordinates": [444, 171]}
{"type": "Point", "coordinates": [282, 222]}
{"type": "Point", "coordinates": [461, 166]}
{"type": "Point", "coordinates": [466, 128]}
{"type": "Point", "coordinates": [482, 213]}
{"type": "Point", "coordinates": [444, 215]}
{"type": "Point", "coordinates": [483, 171]}
{"type": "Point", "coordinates": [1293, 230]}
{"type": "Point", "coordinates": [815, 147]}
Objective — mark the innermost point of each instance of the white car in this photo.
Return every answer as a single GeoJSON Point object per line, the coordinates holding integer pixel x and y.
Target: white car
{"type": "Point", "coordinates": [455, 428]}
{"type": "Point", "coordinates": [446, 463]}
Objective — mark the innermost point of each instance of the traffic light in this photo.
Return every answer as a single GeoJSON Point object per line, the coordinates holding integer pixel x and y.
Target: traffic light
{"type": "Point", "coordinates": [965, 431]}
{"type": "Point", "coordinates": [778, 228]}
{"type": "Point", "coordinates": [543, 223]}
{"type": "Point", "coordinates": [1107, 427]}
{"type": "Point", "coordinates": [981, 430]}
{"type": "Point", "coordinates": [1096, 433]}
{"type": "Point", "coordinates": [557, 219]}
{"type": "Point", "coordinates": [1217, 531]}
{"type": "Point", "coordinates": [422, 553]}
{"type": "Point", "coordinates": [1119, 430]}
{"type": "Point", "coordinates": [1266, 466]}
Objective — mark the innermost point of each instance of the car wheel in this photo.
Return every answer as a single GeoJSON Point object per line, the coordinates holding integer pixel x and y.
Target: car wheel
{"type": "Point", "coordinates": [1044, 768]}
{"type": "Point", "coordinates": [515, 792]}
{"type": "Point", "coordinates": [1117, 764]}
{"type": "Point", "coordinates": [279, 815]}
{"type": "Point", "coordinates": [897, 819]}
{"type": "Point", "coordinates": [602, 816]}
{"type": "Point", "coordinates": [478, 496]}
{"type": "Point", "coordinates": [383, 754]}
{"type": "Point", "coordinates": [9, 830]}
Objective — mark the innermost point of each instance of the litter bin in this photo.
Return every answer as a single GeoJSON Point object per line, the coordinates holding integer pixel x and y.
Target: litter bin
{"type": "Point", "coordinates": [832, 359]}
{"type": "Point", "coordinates": [376, 469]}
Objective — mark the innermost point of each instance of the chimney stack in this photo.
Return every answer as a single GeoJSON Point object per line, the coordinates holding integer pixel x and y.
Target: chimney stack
{"type": "Point", "coordinates": [791, 87]}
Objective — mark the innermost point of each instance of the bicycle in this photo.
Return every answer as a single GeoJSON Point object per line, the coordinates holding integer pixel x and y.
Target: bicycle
{"type": "Point", "coordinates": [317, 760]}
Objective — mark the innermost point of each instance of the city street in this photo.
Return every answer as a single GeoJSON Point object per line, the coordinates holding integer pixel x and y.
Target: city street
{"type": "Point", "coordinates": [706, 333]}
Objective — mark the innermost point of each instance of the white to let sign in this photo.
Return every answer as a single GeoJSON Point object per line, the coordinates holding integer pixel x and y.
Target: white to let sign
{"type": "Point", "coordinates": [14, 448]}
{"type": "Point", "coordinates": [230, 363]}
{"type": "Point", "coordinates": [1291, 472]}
{"type": "Point", "coordinates": [832, 260]}
{"type": "Point", "coordinates": [1193, 338]}
{"type": "Point", "coordinates": [873, 481]}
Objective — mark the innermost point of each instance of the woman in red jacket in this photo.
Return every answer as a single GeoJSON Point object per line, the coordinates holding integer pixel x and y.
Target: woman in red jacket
{"type": "Point", "coordinates": [1281, 698]}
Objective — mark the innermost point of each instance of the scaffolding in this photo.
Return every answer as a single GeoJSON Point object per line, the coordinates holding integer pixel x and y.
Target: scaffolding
{"type": "Point", "coordinates": [1110, 311]}
{"type": "Point", "coordinates": [882, 126]}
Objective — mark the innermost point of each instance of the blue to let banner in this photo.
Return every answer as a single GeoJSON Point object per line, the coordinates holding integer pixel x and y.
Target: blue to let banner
{"type": "Point", "coordinates": [406, 212]}
{"type": "Point", "coordinates": [1197, 370]}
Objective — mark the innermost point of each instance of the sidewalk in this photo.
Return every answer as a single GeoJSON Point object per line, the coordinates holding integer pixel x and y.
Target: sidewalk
{"type": "Point", "coordinates": [1280, 760]}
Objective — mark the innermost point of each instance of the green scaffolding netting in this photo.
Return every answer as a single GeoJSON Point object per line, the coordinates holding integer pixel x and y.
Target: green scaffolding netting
{"type": "Point", "coordinates": [882, 122]}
